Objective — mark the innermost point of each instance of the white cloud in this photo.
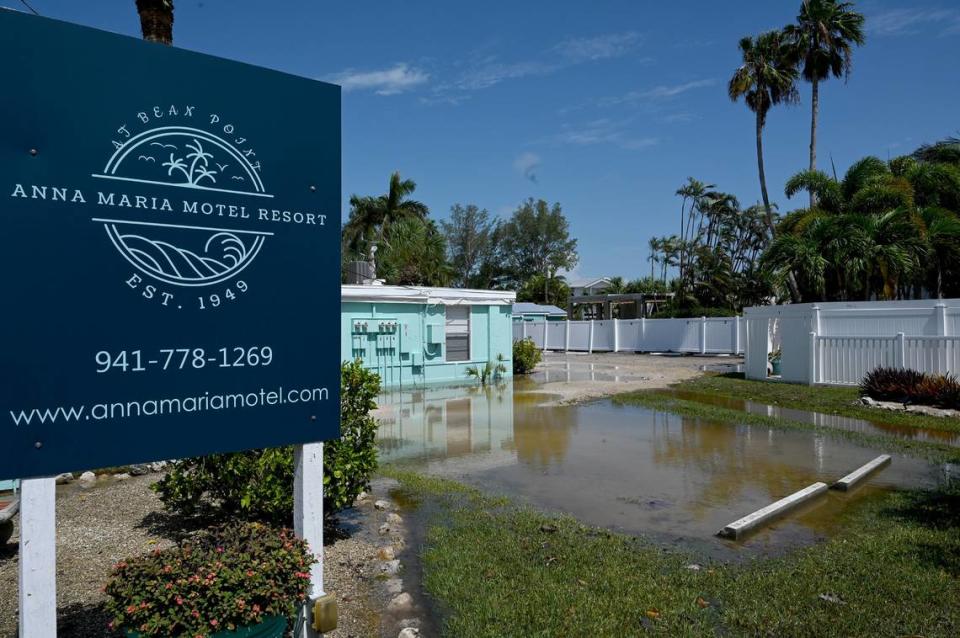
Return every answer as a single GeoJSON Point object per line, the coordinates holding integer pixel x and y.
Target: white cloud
{"type": "Point", "coordinates": [601, 47]}
{"type": "Point", "coordinates": [912, 21]}
{"type": "Point", "coordinates": [603, 131]}
{"type": "Point", "coordinates": [662, 92]}
{"type": "Point", "coordinates": [679, 118]}
{"type": "Point", "coordinates": [527, 164]}
{"type": "Point", "coordinates": [396, 79]}
{"type": "Point", "coordinates": [667, 91]}
{"type": "Point", "coordinates": [490, 70]}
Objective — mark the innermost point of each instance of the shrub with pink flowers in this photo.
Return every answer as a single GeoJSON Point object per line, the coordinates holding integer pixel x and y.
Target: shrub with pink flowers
{"type": "Point", "coordinates": [221, 580]}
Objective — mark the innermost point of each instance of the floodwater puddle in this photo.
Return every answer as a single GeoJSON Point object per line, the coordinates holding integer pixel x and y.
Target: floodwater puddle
{"type": "Point", "coordinates": [822, 419]}
{"type": "Point", "coordinates": [631, 469]}
{"type": "Point", "coordinates": [572, 371]}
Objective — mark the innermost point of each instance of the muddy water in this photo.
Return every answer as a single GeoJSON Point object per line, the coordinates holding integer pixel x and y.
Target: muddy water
{"type": "Point", "coordinates": [822, 419]}
{"type": "Point", "coordinates": [631, 469]}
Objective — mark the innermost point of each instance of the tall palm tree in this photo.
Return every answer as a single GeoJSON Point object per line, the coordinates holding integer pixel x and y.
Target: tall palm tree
{"type": "Point", "coordinates": [156, 20]}
{"type": "Point", "coordinates": [824, 36]}
{"type": "Point", "coordinates": [767, 77]}
{"type": "Point", "coordinates": [693, 191]}
{"type": "Point", "coordinates": [654, 247]}
{"type": "Point", "coordinates": [371, 216]}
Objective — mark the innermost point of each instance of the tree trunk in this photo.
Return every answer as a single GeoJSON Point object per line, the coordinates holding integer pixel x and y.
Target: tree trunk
{"type": "Point", "coordinates": [546, 287]}
{"type": "Point", "coordinates": [815, 110]}
{"type": "Point", "coordinates": [156, 20]}
{"type": "Point", "coordinates": [791, 279]}
{"type": "Point", "coordinates": [683, 205]}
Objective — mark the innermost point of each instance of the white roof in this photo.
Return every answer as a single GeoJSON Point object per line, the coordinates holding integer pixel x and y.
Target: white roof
{"type": "Point", "coordinates": [588, 282]}
{"type": "Point", "coordinates": [425, 295]}
{"type": "Point", "coordinates": [522, 308]}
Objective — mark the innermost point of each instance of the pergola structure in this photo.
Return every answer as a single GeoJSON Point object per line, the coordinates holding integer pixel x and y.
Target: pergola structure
{"type": "Point", "coordinates": [618, 306]}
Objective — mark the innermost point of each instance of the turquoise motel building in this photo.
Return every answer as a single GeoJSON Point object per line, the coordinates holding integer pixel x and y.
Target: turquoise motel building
{"type": "Point", "coordinates": [415, 336]}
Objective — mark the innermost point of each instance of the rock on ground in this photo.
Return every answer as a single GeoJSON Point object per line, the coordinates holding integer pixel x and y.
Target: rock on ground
{"type": "Point", "coordinates": [400, 602]}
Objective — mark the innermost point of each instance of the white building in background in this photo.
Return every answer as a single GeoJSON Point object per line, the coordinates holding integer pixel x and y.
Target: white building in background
{"type": "Point", "coordinates": [581, 286]}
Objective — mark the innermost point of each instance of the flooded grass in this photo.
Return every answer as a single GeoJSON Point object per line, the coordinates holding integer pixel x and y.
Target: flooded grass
{"type": "Point", "coordinates": [823, 399]}
{"type": "Point", "coordinates": [496, 568]}
{"type": "Point", "coordinates": [935, 445]}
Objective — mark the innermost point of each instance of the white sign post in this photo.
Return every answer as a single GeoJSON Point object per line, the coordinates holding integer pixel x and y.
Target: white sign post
{"type": "Point", "coordinates": [38, 558]}
{"type": "Point", "coordinates": [308, 518]}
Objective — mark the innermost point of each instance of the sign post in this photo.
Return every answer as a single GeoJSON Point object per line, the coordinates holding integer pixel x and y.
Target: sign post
{"type": "Point", "coordinates": [170, 248]}
{"type": "Point", "coordinates": [308, 516]}
{"type": "Point", "coordinates": [38, 558]}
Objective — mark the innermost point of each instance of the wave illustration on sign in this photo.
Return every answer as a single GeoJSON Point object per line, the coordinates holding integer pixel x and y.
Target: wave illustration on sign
{"type": "Point", "coordinates": [185, 157]}
{"type": "Point", "coordinates": [184, 255]}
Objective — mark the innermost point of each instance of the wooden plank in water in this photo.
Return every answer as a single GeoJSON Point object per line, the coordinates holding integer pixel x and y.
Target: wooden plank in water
{"type": "Point", "coordinates": [749, 522]}
{"type": "Point", "coordinates": [861, 473]}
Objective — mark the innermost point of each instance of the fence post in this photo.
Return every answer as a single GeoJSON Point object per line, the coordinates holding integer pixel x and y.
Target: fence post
{"type": "Point", "coordinates": [523, 329]}
{"type": "Point", "coordinates": [900, 352]}
{"type": "Point", "coordinates": [590, 341]}
{"type": "Point", "coordinates": [641, 347]}
{"type": "Point", "coordinates": [703, 335]}
{"type": "Point", "coordinates": [812, 373]}
{"type": "Point", "coordinates": [941, 310]}
{"type": "Point", "coordinates": [616, 335]}
{"type": "Point", "coordinates": [816, 319]}
{"type": "Point", "coordinates": [746, 346]}
{"type": "Point", "coordinates": [566, 337]}
{"type": "Point", "coordinates": [736, 334]}
{"type": "Point", "coordinates": [546, 332]}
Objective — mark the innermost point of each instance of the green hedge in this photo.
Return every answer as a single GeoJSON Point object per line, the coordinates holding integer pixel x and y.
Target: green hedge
{"type": "Point", "coordinates": [526, 356]}
{"type": "Point", "coordinates": [258, 484]}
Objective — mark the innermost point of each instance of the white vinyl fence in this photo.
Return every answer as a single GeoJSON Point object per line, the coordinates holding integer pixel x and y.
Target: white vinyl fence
{"type": "Point", "coordinates": [839, 343]}
{"type": "Point", "coordinates": [846, 360]}
{"type": "Point", "coordinates": [724, 335]}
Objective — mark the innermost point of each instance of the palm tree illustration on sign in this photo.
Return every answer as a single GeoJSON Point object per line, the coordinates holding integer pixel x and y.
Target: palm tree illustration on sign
{"type": "Point", "coordinates": [198, 168]}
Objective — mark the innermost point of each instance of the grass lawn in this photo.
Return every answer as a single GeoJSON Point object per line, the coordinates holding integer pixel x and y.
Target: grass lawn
{"type": "Point", "coordinates": [496, 569]}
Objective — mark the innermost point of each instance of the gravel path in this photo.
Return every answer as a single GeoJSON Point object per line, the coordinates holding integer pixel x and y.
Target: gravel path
{"type": "Point", "coordinates": [115, 519]}
{"type": "Point", "coordinates": [581, 377]}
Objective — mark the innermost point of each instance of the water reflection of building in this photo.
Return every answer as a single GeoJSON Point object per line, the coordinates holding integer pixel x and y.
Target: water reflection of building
{"type": "Point", "coordinates": [445, 422]}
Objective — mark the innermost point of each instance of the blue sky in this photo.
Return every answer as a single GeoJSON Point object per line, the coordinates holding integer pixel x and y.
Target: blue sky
{"type": "Point", "coordinates": [604, 106]}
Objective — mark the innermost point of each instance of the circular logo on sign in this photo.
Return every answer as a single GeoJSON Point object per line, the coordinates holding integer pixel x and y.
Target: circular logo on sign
{"type": "Point", "coordinates": [185, 254]}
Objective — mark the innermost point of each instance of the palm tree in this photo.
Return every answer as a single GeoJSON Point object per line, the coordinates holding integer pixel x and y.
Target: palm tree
{"type": "Point", "coordinates": [617, 286]}
{"type": "Point", "coordinates": [824, 36]}
{"type": "Point", "coordinates": [693, 191]}
{"type": "Point", "coordinates": [942, 235]}
{"type": "Point", "coordinates": [371, 216]}
{"type": "Point", "coordinates": [156, 20]}
{"type": "Point", "coordinates": [767, 77]}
